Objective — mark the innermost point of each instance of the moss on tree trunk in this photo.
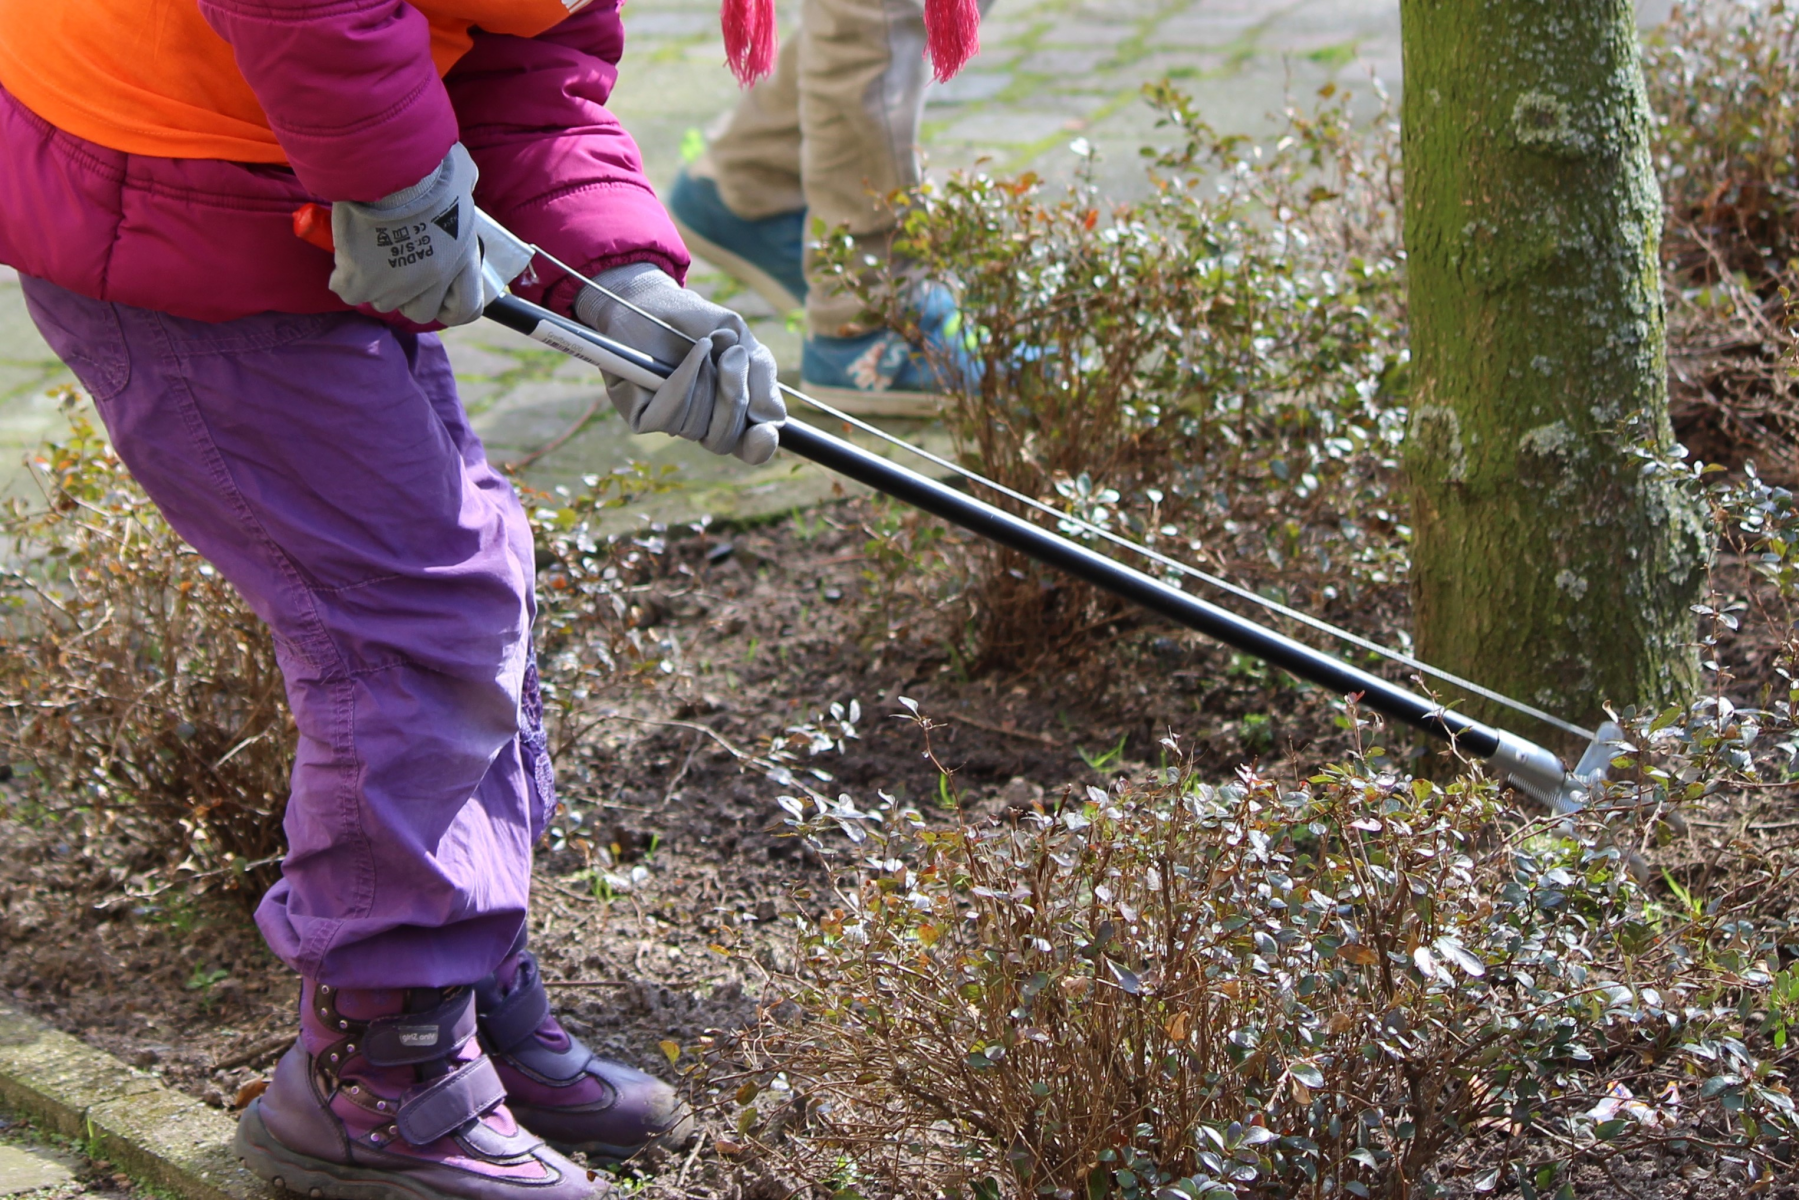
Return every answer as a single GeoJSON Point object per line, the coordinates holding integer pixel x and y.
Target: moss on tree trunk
{"type": "Point", "coordinates": [1544, 564]}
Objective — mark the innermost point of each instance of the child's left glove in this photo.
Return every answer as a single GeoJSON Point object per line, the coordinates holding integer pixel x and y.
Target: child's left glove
{"type": "Point", "coordinates": [723, 395]}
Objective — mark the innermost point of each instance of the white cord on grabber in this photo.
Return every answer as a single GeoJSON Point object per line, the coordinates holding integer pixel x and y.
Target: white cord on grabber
{"type": "Point", "coordinates": [1125, 543]}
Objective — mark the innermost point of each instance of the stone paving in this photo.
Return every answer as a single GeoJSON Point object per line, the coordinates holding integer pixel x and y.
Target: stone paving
{"type": "Point", "coordinates": [35, 1165]}
{"type": "Point", "coordinates": [27, 1169]}
{"type": "Point", "coordinates": [1049, 71]}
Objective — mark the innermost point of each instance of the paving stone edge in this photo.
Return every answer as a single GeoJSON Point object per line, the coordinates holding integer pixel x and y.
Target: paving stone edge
{"type": "Point", "coordinates": [152, 1132]}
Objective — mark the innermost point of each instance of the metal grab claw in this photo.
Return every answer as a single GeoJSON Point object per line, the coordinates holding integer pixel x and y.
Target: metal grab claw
{"type": "Point", "coordinates": [1541, 775]}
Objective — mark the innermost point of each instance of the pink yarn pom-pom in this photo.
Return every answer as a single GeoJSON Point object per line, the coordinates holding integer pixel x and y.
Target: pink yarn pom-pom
{"type": "Point", "coordinates": [749, 28]}
{"type": "Point", "coordinates": [952, 34]}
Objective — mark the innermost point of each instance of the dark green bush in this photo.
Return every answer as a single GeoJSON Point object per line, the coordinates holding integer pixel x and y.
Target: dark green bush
{"type": "Point", "coordinates": [1723, 81]}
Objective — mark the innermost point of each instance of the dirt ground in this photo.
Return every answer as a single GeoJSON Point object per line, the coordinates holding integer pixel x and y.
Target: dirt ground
{"type": "Point", "coordinates": [668, 845]}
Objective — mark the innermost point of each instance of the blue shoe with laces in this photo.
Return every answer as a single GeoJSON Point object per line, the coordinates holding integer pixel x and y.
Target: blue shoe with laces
{"type": "Point", "coordinates": [882, 374]}
{"type": "Point", "coordinates": [764, 255]}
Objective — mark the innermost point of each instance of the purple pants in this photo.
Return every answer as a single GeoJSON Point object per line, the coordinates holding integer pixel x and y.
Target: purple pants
{"type": "Point", "coordinates": [325, 466]}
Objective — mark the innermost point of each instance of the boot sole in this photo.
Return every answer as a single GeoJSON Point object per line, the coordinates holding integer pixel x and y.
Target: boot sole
{"type": "Point", "coordinates": [740, 269]}
{"type": "Point", "coordinates": [677, 1137]}
{"type": "Point", "coordinates": [619, 1155]}
{"type": "Point", "coordinates": [876, 404]}
{"type": "Point", "coordinates": [602, 1153]}
{"type": "Point", "coordinates": [316, 1178]}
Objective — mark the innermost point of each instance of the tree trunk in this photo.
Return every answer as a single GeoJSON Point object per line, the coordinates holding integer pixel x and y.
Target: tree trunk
{"type": "Point", "coordinates": [1544, 565]}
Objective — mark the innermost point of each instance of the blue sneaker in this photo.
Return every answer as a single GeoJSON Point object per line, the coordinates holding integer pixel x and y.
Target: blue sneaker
{"type": "Point", "coordinates": [881, 374]}
{"type": "Point", "coordinates": [763, 255]}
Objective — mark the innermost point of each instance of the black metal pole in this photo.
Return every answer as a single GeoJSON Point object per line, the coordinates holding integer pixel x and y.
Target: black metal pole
{"type": "Point", "coordinates": [1015, 533]}
{"type": "Point", "coordinates": [1109, 574]}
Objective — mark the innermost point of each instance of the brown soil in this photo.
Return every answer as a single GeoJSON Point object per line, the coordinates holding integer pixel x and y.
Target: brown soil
{"type": "Point", "coordinates": [185, 988]}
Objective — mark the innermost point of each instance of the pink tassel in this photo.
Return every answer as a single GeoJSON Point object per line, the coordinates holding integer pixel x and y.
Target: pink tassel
{"type": "Point", "coordinates": [749, 27]}
{"type": "Point", "coordinates": [952, 34]}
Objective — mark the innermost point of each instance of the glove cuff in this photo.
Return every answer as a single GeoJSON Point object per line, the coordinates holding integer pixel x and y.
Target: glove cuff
{"type": "Point", "coordinates": [405, 196]}
{"type": "Point", "coordinates": [396, 203]}
{"type": "Point", "coordinates": [589, 304]}
{"type": "Point", "coordinates": [628, 282]}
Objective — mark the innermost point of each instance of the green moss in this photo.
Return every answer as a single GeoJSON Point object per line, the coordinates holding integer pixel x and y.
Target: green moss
{"type": "Point", "coordinates": [1333, 56]}
{"type": "Point", "coordinates": [1532, 227]}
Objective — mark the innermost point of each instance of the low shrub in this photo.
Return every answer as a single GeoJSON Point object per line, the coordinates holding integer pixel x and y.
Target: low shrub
{"type": "Point", "coordinates": [1311, 987]}
{"type": "Point", "coordinates": [138, 694]}
{"type": "Point", "coordinates": [1212, 370]}
{"type": "Point", "coordinates": [597, 623]}
{"type": "Point", "coordinates": [1723, 80]}
{"type": "Point", "coordinates": [1722, 76]}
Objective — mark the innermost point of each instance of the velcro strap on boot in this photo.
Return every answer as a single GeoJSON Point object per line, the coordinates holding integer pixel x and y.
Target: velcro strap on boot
{"type": "Point", "coordinates": [408, 1039]}
{"type": "Point", "coordinates": [516, 1016]}
{"type": "Point", "coordinates": [446, 1104]}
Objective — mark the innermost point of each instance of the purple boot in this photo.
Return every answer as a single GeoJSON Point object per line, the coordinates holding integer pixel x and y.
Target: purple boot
{"type": "Point", "coordinates": [387, 1096]}
{"type": "Point", "coordinates": [559, 1089]}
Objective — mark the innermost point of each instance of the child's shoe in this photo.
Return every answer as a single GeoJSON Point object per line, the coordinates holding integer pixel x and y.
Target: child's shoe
{"type": "Point", "coordinates": [765, 255]}
{"type": "Point", "coordinates": [387, 1096]}
{"type": "Point", "coordinates": [558, 1088]}
{"type": "Point", "coordinates": [882, 374]}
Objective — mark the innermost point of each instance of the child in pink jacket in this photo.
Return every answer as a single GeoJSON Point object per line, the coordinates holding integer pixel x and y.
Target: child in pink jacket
{"type": "Point", "coordinates": [292, 420]}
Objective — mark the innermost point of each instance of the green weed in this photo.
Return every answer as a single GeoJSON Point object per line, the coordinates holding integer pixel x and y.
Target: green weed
{"type": "Point", "coordinates": [1104, 759]}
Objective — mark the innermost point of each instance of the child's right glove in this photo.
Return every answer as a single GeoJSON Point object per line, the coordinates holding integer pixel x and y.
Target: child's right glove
{"type": "Point", "coordinates": [723, 395]}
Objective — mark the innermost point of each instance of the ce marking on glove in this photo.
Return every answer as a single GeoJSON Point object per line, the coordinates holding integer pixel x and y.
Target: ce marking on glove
{"type": "Point", "coordinates": [407, 244]}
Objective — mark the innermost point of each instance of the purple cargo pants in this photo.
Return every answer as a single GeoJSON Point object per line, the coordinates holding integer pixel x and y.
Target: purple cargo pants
{"type": "Point", "coordinates": [325, 466]}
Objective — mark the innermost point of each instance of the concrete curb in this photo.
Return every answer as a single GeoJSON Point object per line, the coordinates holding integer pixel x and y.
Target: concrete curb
{"type": "Point", "coordinates": [154, 1133]}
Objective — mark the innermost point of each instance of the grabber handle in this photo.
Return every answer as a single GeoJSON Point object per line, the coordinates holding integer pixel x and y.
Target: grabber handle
{"type": "Point", "coordinates": [312, 223]}
{"type": "Point", "coordinates": [504, 257]}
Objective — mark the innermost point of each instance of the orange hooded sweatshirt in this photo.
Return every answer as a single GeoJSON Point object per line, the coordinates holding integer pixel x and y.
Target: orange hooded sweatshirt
{"type": "Point", "coordinates": [154, 77]}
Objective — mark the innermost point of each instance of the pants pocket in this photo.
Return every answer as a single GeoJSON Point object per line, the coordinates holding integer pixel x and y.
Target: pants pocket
{"type": "Point", "coordinates": [85, 334]}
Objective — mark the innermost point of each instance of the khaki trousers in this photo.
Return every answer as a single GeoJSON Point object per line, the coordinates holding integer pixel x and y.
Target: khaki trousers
{"type": "Point", "coordinates": [834, 130]}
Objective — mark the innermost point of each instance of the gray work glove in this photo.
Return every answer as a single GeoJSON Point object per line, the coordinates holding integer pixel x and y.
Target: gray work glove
{"type": "Point", "coordinates": [414, 252]}
{"type": "Point", "coordinates": [723, 394]}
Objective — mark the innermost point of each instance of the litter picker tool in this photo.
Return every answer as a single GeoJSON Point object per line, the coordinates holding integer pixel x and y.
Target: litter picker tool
{"type": "Point", "coordinates": [1531, 768]}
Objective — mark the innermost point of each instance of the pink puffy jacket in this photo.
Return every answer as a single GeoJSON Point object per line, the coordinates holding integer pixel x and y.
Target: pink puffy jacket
{"type": "Point", "coordinates": [213, 240]}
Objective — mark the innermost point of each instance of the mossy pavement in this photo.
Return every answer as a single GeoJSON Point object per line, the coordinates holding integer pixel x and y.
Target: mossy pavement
{"type": "Point", "coordinates": [153, 1135]}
